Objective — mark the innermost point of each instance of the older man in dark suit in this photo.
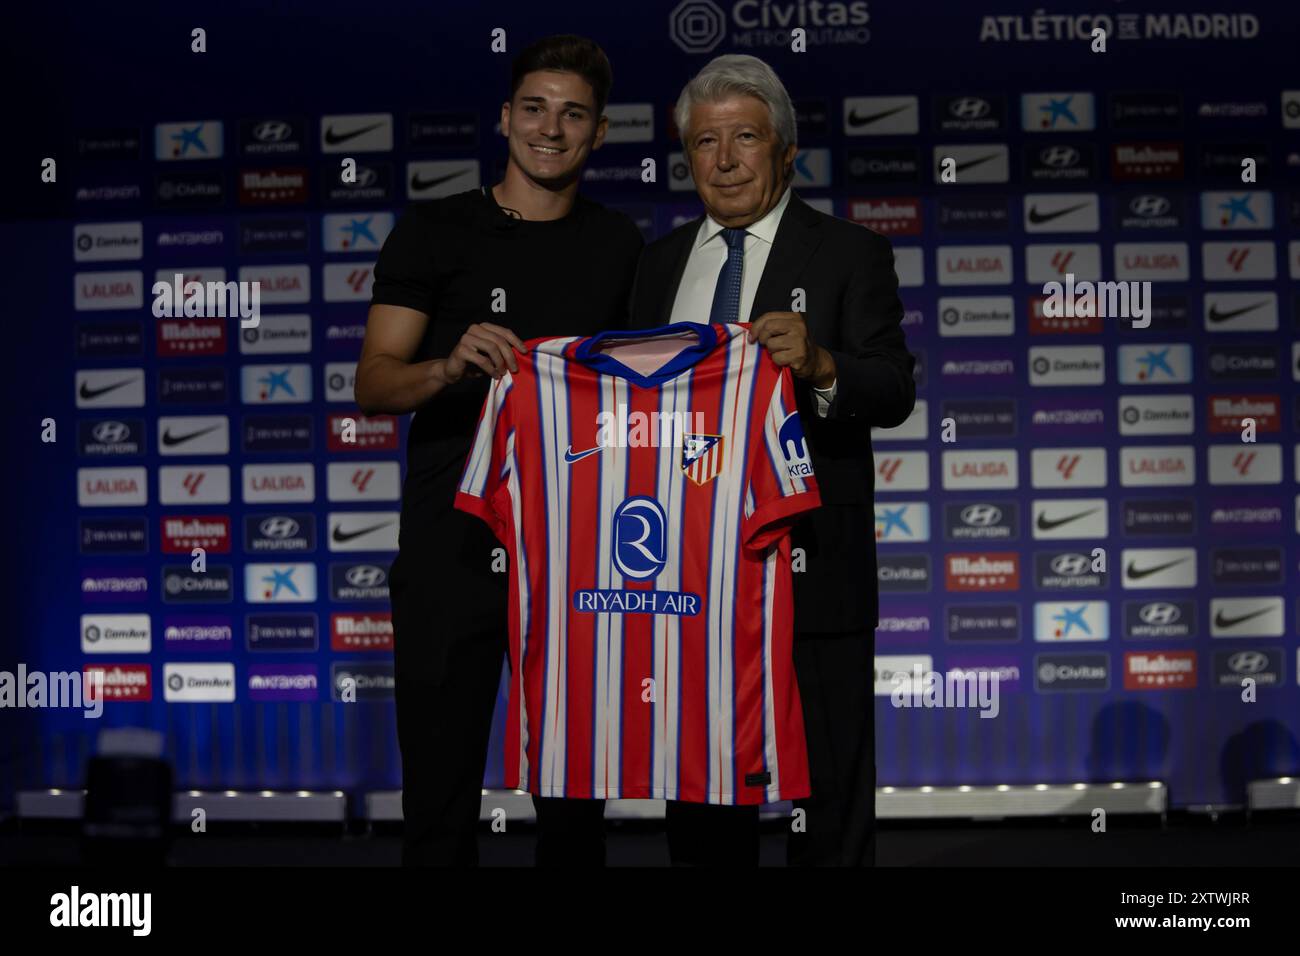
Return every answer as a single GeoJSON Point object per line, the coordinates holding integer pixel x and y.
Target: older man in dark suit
{"type": "Point", "coordinates": [822, 297]}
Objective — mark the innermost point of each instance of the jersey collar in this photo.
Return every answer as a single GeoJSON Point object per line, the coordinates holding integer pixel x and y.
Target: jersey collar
{"type": "Point", "coordinates": [606, 364]}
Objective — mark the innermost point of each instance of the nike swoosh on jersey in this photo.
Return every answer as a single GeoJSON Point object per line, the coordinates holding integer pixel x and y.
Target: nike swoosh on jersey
{"type": "Point", "coordinates": [87, 392]}
{"type": "Point", "coordinates": [1047, 524]}
{"type": "Point", "coordinates": [334, 138]}
{"type": "Point", "coordinates": [1217, 316]}
{"type": "Point", "coordinates": [1037, 217]}
{"type": "Point", "coordinates": [571, 456]}
{"type": "Point", "coordinates": [341, 535]}
{"type": "Point", "coordinates": [856, 120]}
{"type": "Point", "coordinates": [1221, 621]}
{"type": "Point", "coordinates": [169, 439]}
{"type": "Point", "coordinates": [1137, 574]}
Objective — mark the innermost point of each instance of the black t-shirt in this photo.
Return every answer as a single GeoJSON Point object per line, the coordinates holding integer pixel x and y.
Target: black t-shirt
{"type": "Point", "coordinates": [447, 258]}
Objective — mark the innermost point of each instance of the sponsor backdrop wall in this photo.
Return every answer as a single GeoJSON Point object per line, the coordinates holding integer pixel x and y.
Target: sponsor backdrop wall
{"type": "Point", "coordinates": [1073, 434]}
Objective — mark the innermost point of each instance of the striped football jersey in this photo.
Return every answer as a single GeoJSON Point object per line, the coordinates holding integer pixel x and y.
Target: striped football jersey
{"type": "Point", "coordinates": [646, 515]}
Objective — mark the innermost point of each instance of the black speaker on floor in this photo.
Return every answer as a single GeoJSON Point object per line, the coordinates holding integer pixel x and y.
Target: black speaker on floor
{"type": "Point", "coordinates": [128, 811]}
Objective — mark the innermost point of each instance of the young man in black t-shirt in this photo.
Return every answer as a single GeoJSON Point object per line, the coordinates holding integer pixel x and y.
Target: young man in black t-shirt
{"type": "Point", "coordinates": [565, 266]}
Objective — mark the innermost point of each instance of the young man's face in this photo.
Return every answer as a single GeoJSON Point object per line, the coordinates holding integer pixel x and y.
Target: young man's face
{"type": "Point", "coordinates": [552, 127]}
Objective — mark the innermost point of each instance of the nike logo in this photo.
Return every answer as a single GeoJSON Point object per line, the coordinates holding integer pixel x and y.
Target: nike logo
{"type": "Point", "coordinates": [1037, 217]}
{"type": "Point", "coordinates": [88, 393]}
{"type": "Point", "coordinates": [1137, 574]}
{"type": "Point", "coordinates": [1221, 621]}
{"type": "Point", "coordinates": [975, 162]}
{"type": "Point", "coordinates": [857, 120]}
{"type": "Point", "coordinates": [169, 439]}
{"type": "Point", "coordinates": [571, 456]}
{"type": "Point", "coordinates": [1217, 316]}
{"type": "Point", "coordinates": [418, 183]}
{"type": "Point", "coordinates": [1047, 524]}
{"type": "Point", "coordinates": [340, 535]}
{"type": "Point", "coordinates": [333, 139]}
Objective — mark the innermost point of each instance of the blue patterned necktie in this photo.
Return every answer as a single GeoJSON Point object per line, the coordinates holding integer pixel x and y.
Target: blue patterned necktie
{"type": "Point", "coordinates": [726, 294]}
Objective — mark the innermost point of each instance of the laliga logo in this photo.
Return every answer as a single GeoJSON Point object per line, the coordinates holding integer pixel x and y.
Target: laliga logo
{"type": "Point", "coordinates": [794, 449]}
{"type": "Point", "coordinates": [697, 26]}
{"type": "Point", "coordinates": [640, 541]}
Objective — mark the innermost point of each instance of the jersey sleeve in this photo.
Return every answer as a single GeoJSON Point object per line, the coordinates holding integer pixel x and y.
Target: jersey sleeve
{"type": "Point", "coordinates": [484, 488]}
{"type": "Point", "coordinates": [780, 484]}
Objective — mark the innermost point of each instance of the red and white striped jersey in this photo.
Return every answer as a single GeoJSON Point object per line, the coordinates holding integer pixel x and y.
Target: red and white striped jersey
{"type": "Point", "coordinates": [647, 517]}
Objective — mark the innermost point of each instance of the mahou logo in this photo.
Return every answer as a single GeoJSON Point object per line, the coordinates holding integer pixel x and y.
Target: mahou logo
{"type": "Point", "coordinates": [123, 682]}
{"type": "Point", "coordinates": [362, 632]}
{"type": "Point", "coordinates": [183, 533]}
{"type": "Point", "coordinates": [895, 216]}
{"type": "Point", "coordinates": [183, 337]}
{"type": "Point", "coordinates": [1159, 670]}
{"type": "Point", "coordinates": [983, 572]}
{"type": "Point", "coordinates": [367, 433]}
{"type": "Point", "coordinates": [1228, 413]}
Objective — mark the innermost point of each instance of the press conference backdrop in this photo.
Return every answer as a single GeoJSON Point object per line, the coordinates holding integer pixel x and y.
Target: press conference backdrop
{"type": "Point", "coordinates": [1071, 434]}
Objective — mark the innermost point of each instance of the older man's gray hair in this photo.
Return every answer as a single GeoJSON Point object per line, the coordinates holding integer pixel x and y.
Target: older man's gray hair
{"type": "Point", "coordinates": [738, 74]}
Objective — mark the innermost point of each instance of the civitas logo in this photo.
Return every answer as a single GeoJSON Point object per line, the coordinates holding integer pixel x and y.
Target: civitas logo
{"type": "Point", "coordinates": [36, 689]}
{"type": "Point", "coordinates": [697, 26]}
{"type": "Point", "coordinates": [118, 909]}
{"type": "Point", "coordinates": [182, 299]}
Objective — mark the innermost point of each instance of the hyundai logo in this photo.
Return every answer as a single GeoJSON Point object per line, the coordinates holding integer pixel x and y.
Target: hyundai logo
{"type": "Point", "coordinates": [1247, 662]}
{"type": "Point", "coordinates": [981, 516]}
{"type": "Point", "coordinates": [1149, 206]}
{"type": "Point", "coordinates": [272, 131]}
{"type": "Point", "coordinates": [110, 433]}
{"type": "Point", "coordinates": [1059, 156]}
{"type": "Point", "coordinates": [365, 576]}
{"type": "Point", "coordinates": [969, 107]}
{"type": "Point", "coordinates": [1159, 612]}
{"type": "Point", "coordinates": [279, 526]}
{"type": "Point", "coordinates": [1070, 565]}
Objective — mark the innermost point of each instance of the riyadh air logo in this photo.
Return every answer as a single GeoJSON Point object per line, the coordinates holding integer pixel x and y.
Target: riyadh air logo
{"type": "Point", "coordinates": [640, 552]}
{"type": "Point", "coordinates": [702, 457]}
{"type": "Point", "coordinates": [697, 26]}
{"type": "Point", "coordinates": [794, 449]}
{"type": "Point", "coordinates": [640, 538]}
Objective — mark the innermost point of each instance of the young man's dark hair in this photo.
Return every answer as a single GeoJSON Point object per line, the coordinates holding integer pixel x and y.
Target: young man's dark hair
{"type": "Point", "coordinates": [566, 54]}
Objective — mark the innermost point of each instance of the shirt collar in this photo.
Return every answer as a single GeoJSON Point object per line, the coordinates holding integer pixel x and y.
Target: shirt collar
{"type": "Point", "coordinates": [764, 229]}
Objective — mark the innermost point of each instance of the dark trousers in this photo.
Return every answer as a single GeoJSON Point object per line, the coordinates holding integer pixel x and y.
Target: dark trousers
{"type": "Point", "coordinates": [446, 679]}
{"type": "Point", "coordinates": [836, 675]}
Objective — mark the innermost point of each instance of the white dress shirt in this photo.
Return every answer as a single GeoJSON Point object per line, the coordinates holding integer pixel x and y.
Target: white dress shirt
{"type": "Point", "coordinates": [709, 254]}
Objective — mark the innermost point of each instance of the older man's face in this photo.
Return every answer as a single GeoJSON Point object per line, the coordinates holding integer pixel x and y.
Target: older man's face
{"type": "Point", "coordinates": [739, 166]}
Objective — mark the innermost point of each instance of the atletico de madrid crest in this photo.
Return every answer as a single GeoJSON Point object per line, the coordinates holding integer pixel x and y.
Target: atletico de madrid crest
{"type": "Point", "coordinates": [702, 457]}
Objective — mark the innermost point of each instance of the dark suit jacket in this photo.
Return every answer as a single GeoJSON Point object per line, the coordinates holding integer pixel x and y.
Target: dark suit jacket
{"type": "Point", "coordinates": [853, 310]}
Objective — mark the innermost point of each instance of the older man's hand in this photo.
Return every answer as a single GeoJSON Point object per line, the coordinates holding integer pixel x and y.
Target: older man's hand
{"type": "Point", "coordinates": [785, 336]}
